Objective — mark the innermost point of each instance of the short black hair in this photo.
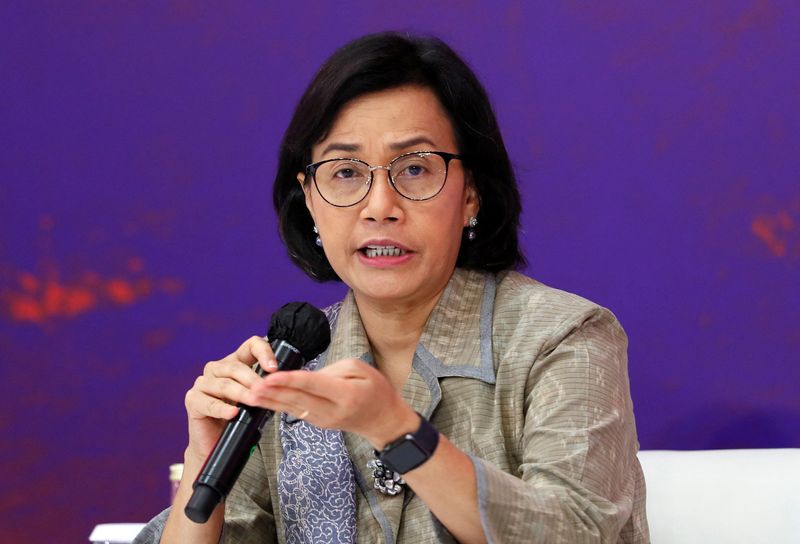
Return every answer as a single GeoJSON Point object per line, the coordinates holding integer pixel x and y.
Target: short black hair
{"type": "Point", "coordinates": [383, 61]}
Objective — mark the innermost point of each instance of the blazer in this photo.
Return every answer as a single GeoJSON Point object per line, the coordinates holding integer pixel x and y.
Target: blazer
{"type": "Point", "coordinates": [531, 382]}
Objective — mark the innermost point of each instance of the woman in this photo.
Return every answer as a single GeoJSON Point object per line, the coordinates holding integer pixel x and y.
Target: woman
{"type": "Point", "coordinates": [503, 403]}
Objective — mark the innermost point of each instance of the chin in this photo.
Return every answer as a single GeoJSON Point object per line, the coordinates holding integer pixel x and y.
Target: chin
{"type": "Point", "coordinates": [384, 291]}
{"type": "Point", "coordinates": [387, 288]}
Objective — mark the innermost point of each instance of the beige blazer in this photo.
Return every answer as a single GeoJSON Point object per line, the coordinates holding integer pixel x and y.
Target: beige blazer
{"type": "Point", "coordinates": [528, 380]}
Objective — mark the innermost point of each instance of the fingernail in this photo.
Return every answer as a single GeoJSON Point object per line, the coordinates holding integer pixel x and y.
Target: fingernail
{"type": "Point", "coordinates": [272, 364]}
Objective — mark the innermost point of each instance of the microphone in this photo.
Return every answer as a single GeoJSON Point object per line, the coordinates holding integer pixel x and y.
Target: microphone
{"type": "Point", "coordinates": [299, 333]}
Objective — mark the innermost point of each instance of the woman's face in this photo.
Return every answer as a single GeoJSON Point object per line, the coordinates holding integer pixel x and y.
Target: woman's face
{"type": "Point", "coordinates": [376, 128]}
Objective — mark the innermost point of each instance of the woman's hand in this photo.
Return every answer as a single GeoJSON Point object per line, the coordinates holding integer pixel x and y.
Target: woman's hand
{"type": "Point", "coordinates": [353, 396]}
{"type": "Point", "coordinates": [212, 401]}
{"type": "Point", "coordinates": [349, 395]}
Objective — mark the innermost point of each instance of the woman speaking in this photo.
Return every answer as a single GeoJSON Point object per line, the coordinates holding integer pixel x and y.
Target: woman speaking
{"type": "Point", "coordinates": [458, 400]}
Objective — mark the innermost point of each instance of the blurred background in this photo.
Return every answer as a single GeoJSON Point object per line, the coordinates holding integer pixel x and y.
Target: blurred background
{"type": "Point", "coordinates": [657, 147]}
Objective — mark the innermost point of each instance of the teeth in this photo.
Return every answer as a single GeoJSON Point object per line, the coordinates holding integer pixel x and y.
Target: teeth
{"type": "Point", "coordinates": [384, 251]}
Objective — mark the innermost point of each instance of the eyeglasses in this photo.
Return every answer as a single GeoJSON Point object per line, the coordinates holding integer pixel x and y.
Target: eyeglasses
{"type": "Point", "coordinates": [419, 175]}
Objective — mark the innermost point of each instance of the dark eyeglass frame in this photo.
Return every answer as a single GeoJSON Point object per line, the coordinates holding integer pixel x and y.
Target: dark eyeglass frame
{"type": "Point", "coordinates": [311, 170]}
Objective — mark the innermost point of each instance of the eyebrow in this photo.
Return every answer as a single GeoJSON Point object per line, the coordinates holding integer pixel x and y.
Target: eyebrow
{"type": "Point", "coordinates": [340, 147]}
{"type": "Point", "coordinates": [396, 146]}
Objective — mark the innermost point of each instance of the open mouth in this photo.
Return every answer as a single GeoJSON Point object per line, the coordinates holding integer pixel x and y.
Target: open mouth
{"type": "Point", "coordinates": [382, 251]}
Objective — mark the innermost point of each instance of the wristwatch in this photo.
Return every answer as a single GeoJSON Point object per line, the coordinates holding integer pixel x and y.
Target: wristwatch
{"type": "Point", "coordinates": [412, 449]}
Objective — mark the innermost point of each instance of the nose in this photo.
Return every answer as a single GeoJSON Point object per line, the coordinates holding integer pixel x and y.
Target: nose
{"type": "Point", "coordinates": [382, 202]}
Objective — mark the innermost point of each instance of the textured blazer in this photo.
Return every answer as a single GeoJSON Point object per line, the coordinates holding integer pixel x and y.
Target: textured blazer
{"type": "Point", "coordinates": [528, 380]}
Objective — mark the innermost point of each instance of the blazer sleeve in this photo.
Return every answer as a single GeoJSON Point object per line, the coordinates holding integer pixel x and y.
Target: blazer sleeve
{"type": "Point", "coordinates": [248, 510]}
{"type": "Point", "coordinates": [578, 472]}
{"type": "Point", "coordinates": [249, 518]}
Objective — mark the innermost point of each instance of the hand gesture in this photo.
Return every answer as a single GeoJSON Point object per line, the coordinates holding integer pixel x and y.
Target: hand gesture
{"type": "Point", "coordinates": [213, 398]}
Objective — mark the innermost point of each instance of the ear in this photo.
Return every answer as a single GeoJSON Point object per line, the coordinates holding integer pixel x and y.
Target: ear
{"type": "Point", "coordinates": [306, 187]}
{"type": "Point", "coordinates": [472, 200]}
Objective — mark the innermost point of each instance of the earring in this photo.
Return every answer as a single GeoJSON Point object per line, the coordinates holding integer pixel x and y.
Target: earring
{"type": "Point", "coordinates": [472, 223]}
{"type": "Point", "coordinates": [318, 241]}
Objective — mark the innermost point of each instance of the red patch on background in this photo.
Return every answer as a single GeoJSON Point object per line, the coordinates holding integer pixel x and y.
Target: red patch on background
{"type": "Point", "coordinates": [776, 231]}
{"type": "Point", "coordinates": [43, 299]}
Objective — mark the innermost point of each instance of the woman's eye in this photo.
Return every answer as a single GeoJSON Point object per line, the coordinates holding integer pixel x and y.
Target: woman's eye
{"type": "Point", "coordinates": [344, 173]}
{"type": "Point", "coordinates": [413, 170]}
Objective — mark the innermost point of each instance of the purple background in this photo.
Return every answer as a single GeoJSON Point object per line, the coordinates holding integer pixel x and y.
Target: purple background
{"type": "Point", "coordinates": [657, 150]}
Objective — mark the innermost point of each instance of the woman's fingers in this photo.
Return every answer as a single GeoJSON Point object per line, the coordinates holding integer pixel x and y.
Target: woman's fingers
{"type": "Point", "coordinates": [326, 383]}
{"type": "Point", "coordinates": [255, 349]}
{"type": "Point", "coordinates": [335, 396]}
{"type": "Point", "coordinates": [343, 395]}
{"type": "Point", "coordinates": [300, 393]}
{"type": "Point", "coordinates": [214, 397]}
{"type": "Point", "coordinates": [232, 369]}
{"type": "Point", "coordinates": [200, 405]}
{"type": "Point", "coordinates": [227, 389]}
{"type": "Point", "coordinates": [227, 382]}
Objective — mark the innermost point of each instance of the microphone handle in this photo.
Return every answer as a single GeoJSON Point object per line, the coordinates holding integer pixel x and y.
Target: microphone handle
{"type": "Point", "coordinates": [235, 446]}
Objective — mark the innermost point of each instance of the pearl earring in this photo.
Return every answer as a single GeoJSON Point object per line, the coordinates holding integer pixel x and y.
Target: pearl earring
{"type": "Point", "coordinates": [318, 241]}
{"type": "Point", "coordinates": [472, 223]}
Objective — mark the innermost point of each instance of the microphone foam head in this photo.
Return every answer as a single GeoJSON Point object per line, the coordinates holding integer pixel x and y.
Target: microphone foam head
{"type": "Point", "coordinates": [303, 326]}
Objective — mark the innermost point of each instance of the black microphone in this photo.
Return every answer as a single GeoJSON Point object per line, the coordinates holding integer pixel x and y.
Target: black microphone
{"type": "Point", "coordinates": [298, 332]}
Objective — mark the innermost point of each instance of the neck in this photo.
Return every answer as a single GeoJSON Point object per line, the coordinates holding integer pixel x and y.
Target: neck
{"type": "Point", "coordinates": [394, 331]}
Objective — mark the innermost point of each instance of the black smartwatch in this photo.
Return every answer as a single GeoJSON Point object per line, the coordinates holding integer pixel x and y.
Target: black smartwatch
{"type": "Point", "coordinates": [412, 449]}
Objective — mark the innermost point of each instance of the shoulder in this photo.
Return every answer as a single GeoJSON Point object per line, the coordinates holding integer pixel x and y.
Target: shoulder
{"type": "Point", "coordinates": [542, 314]}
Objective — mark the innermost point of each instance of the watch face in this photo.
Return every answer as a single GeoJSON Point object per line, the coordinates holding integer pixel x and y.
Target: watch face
{"type": "Point", "coordinates": [405, 456]}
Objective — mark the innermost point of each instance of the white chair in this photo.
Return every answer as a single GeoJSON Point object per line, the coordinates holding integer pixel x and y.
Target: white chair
{"type": "Point", "coordinates": [115, 533]}
{"type": "Point", "coordinates": [723, 496]}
